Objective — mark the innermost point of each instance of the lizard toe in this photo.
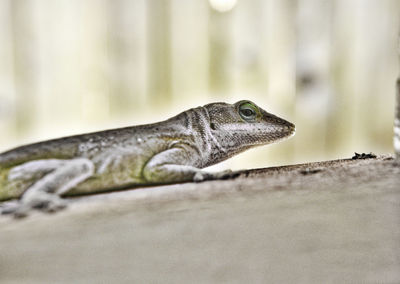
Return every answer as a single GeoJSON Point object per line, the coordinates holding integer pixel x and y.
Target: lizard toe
{"type": "Point", "coordinates": [9, 207]}
{"type": "Point", "coordinates": [15, 209]}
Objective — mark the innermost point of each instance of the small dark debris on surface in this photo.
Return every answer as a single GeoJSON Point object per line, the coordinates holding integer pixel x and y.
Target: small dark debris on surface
{"type": "Point", "coordinates": [246, 173]}
{"type": "Point", "coordinates": [396, 163]}
{"type": "Point", "coordinates": [309, 171]}
{"type": "Point", "coordinates": [358, 156]}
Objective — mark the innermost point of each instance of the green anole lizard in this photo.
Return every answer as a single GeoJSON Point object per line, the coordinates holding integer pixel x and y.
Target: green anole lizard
{"type": "Point", "coordinates": [171, 151]}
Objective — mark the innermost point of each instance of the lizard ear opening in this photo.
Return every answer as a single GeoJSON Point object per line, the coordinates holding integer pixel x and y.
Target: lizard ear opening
{"type": "Point", "coordinates": [212, 126]}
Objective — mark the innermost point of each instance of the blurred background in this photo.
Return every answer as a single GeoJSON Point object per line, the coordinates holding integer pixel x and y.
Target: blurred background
{"type": "Point", "coordinates": [329, 66]}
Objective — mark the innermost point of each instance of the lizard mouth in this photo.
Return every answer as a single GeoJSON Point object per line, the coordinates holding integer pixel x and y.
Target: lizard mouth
{"type": "Point", "coordinates": [292, 130]}
{"type": "Point", "coordinates": [286, 129]}
{"type": "Point", "coordinates": [283, 132]}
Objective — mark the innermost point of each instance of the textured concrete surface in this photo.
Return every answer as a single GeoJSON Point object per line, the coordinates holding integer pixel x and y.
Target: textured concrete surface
{"type": "Point", "coordinates": [330, 222]}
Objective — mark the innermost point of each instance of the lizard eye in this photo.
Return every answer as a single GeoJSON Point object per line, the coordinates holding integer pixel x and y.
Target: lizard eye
{"type": "Point", "coordinates": [247, 111]}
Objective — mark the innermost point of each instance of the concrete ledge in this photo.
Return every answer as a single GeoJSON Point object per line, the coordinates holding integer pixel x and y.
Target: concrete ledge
{"type": "Point", "coordinates": [326, 222]}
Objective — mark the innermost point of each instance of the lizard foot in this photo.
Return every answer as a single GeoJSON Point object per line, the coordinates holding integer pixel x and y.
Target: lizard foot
{"type": "Point", "coordinates": [203, 176]}
{"type": "Point", "coordinates": [21, 208]}
{"type": "Point", "coordinates": [15, 208]}
{"type": "Point", "coordinates": [9, 207]}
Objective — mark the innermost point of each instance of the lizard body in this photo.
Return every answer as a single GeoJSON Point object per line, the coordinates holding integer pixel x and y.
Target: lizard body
{"type": "Point", "coordinates": [170, 151]}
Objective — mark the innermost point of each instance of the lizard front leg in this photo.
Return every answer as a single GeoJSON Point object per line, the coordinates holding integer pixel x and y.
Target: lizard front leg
{"type": "Point", "coordinates": [61, 176]}
{"type": "Point", "coordinates": [175, 165]}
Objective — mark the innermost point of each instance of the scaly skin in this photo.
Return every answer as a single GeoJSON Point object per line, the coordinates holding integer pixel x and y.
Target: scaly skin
{"type": "Point", "coordinates": [165, 152]}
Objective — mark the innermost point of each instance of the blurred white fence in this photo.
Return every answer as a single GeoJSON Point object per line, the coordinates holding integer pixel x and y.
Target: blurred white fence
{"type": "Point", "coordinates": [69, 66]}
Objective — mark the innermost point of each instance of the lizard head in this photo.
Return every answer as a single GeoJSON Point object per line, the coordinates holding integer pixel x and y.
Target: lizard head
{"type": "Point", "coordinates": [244, 125]}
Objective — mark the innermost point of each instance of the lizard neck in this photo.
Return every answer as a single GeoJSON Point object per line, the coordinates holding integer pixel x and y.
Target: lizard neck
{"type": "Point", "coordinates": [210, 150]}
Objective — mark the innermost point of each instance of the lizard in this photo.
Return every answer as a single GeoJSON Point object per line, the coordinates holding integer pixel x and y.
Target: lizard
{"type": "Point", "coordinates": [40, 175]}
